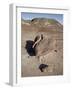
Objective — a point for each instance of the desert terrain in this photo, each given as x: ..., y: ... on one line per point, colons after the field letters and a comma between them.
x: 51, y: 47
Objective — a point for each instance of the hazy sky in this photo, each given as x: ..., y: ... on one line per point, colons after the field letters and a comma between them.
x: 30, y: 16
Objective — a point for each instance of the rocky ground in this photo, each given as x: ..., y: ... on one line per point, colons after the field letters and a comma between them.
x: 52, y: 45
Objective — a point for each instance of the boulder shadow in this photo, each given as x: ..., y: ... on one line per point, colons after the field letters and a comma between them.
x: 28, y: 47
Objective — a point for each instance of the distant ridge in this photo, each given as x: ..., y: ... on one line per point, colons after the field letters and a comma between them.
x: 44, y: 23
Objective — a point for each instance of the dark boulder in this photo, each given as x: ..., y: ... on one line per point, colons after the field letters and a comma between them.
x: 42, y: 67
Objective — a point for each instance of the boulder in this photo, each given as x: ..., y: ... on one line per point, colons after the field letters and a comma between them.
x: 42, y: 67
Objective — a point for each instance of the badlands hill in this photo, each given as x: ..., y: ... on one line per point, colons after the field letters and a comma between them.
x: 44, y: 23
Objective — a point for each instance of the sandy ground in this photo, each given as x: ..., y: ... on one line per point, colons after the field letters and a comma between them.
x: 54, y: 60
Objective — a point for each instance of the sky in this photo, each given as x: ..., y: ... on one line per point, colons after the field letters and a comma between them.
x: 30, y: 16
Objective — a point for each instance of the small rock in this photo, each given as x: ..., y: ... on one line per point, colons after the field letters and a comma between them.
x: 42, y: 67
x: 55, y: 50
